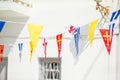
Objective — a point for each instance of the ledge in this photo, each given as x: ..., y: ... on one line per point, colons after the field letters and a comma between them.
x: 14, y: 9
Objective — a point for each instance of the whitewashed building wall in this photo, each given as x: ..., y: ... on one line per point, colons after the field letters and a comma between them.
x: 92, y: 63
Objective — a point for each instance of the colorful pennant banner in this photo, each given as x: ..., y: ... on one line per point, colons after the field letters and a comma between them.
x: 1, y: 52
x: 2, y: 23
x: 34, y: 31
x: 59, y: 43
x: 45, y: 46
x: 106, y: 38
x: 76, y: 38
x: 20, y: 46
x: 92, y: 27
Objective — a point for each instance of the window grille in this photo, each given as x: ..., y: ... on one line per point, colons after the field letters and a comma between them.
x: 50, y: 69
x: 3, y: 69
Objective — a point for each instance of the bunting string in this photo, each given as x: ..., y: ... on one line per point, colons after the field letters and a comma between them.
x: 36, y: 29
x: 51, y: 38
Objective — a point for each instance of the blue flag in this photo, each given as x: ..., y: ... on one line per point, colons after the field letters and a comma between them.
x: 2, y: 23
x: 111, y: 28
x: 117, y: 15
x: 20, y: 45
x: 76, y: 38
x: 113, y: 18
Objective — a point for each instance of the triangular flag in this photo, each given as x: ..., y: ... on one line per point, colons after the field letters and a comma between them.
x: 76, y: 38
x: 113, y: 20
x: 31, y: 50
x: 92, y: 27
x: 2, y: 23
x: 72, y: 29
x: 20, y: 45
x: 45, y: 46
x: 34, y: 31
x: 111, y: 29
x: 113, y: 15
x: 59, y: 42
x: 117, y: 15
x: 1, y: 52
x: 106, y: 38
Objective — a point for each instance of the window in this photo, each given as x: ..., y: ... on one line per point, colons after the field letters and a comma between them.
x: 50, y: 69
x: 3, y: 69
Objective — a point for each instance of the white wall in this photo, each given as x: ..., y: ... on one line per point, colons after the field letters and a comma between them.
x: 118, y: 61
x: 92, y: 64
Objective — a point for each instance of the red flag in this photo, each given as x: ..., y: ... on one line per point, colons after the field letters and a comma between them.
x: 45, y: 46
x: 72, y: 29
x: 106, y: 38
x: 1, y: 52
x: 59, y: 42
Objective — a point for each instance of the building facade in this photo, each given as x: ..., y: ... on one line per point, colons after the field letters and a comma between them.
x: 92, y: 63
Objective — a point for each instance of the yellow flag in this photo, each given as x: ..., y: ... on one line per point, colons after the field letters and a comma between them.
x: 92, y: 27
x: 34, y: 30
x: 31, y: 51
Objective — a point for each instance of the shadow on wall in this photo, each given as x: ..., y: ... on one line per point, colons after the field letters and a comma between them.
x: 11, y: 32
x: 92, y: 64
